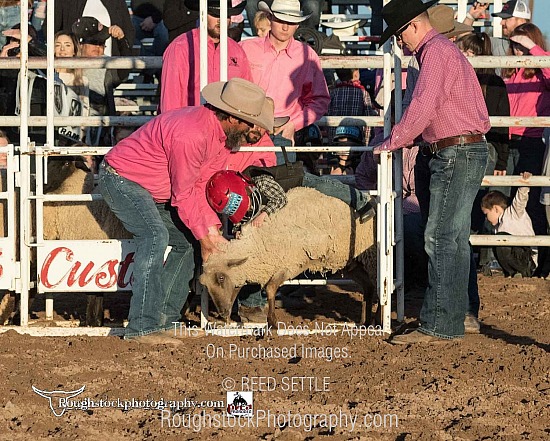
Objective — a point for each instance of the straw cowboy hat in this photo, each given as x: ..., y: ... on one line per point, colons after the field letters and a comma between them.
x: 214, y: 7
x: 244, y: 100
x: 284, y: 10
x: 443, y: 20
x: 398, y: 13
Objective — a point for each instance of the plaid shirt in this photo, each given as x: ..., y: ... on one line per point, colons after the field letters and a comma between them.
x: 349, y: 99
x: 439, y: 106
x: 273, y: 195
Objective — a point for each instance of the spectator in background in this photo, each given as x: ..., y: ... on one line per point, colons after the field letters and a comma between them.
x: 38, y: 16
x: 180, y: 85
x: 9, y: 81
x: 236, y: 26
x: 10, y: 15
x: 496, y: 99
x: 513, y: 14
x: 529, y: 93
x: 101, y: 81
x: 348, y: 97
x: 346, y: 135
x: 67, y: 46
x: 178, y: 18
x: 112, y: 14
x: 147, y: 21
x: 288, y: 70
x: 512, y: 219
x: 261, y: 24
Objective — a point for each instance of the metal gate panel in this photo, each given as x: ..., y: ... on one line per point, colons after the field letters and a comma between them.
x: 8, y: 261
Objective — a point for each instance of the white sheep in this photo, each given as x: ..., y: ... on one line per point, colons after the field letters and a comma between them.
x: 313, y: 232
x: 91, y: 220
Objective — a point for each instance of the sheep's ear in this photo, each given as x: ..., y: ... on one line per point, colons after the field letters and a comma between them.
x: 236, y: 262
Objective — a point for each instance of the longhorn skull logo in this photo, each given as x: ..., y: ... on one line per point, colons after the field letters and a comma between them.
x: 57, y: 395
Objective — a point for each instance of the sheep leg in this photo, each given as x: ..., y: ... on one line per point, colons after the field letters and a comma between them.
x: 271, y: 289
x: 94, y: 310
x: 362, y: 278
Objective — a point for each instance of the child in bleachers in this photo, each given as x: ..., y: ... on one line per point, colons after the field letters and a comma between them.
x: 511, y: 219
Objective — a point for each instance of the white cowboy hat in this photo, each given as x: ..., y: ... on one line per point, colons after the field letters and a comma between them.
x: 244, y: 100
x: 284, y: 10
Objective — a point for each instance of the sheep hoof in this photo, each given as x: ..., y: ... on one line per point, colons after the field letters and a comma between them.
x: 252, y: 314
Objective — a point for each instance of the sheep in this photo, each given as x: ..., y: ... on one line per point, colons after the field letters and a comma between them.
x: 77, y: 220
x: 312, y: 232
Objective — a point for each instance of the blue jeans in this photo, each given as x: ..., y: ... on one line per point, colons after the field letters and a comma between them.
x: 332, y: 187
x: 455, y: 177
x: 9, y: 16
x: 159, y: 288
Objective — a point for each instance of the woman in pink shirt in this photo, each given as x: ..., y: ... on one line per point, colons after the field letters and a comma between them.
x: 529, y: 94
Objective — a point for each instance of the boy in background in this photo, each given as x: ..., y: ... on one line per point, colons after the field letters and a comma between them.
x: 511, y: 219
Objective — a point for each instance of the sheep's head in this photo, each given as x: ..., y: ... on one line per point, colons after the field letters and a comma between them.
x: 60, y: 168
x: 216, y: 277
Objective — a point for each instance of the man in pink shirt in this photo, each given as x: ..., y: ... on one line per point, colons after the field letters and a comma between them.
x: 154, y: 181
x: 180, y: 85
x: 453, y: 124
x: 288, y: 70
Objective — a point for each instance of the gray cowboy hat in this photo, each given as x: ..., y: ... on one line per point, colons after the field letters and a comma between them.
x: 244, y: 100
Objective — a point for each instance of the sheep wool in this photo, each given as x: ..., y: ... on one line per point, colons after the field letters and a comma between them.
x: 79, y: 220
x: 313, y: 232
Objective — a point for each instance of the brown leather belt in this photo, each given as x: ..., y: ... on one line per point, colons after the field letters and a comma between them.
x: 434, y: 147
x: 109, y: 168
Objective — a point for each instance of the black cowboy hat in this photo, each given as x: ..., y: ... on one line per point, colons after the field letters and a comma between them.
x: 89, y: 30
x: 397, y: 13
x: 214, y: 7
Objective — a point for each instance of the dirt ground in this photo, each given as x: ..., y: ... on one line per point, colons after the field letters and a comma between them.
x: 492, y: 386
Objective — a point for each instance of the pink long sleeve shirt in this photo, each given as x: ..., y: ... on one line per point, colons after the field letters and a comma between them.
x: 292, y: 77
x: 439, y: 107
x: 529, y: 96
x: 174, y: 155
x: 180, y: 85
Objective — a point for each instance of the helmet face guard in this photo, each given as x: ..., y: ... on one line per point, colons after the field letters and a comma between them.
x: 229, y: 192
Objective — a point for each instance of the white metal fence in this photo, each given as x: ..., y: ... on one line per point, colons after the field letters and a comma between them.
x: 105, y: 266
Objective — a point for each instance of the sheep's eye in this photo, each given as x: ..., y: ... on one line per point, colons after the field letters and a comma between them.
x: 221, y: 278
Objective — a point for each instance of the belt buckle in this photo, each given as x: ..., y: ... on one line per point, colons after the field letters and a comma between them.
x: 427, y: 149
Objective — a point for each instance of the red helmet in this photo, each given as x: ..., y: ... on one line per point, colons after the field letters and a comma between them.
x: 231, y: 193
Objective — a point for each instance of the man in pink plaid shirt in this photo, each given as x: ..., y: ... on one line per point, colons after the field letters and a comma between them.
x: 448, y: 110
